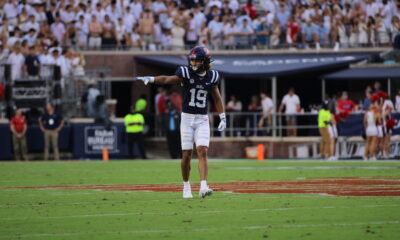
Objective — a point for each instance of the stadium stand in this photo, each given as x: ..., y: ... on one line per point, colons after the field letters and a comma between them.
x: 160, y: 25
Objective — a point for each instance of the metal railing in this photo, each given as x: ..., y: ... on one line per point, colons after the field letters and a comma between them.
x: 240, y: 124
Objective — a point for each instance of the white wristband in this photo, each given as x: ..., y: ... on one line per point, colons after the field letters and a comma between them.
x: 151, y: 79
x: 222, y: 116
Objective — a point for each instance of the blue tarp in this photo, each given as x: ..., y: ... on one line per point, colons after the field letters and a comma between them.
x: 84, y: 140
x: 245, y: 66
x: 353, y: 126
x: 369, y: 73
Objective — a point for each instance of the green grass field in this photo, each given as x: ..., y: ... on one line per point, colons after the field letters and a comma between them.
x: 93, y: 214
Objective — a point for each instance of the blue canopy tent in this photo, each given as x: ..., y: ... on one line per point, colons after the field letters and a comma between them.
x: 364, y: 73
x: 262, y: 66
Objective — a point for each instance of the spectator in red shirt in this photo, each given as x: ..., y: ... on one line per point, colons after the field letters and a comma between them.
x: 176, y: 100
x: 345, y: 105
x: 18, y: 128
x: 293, y: 31
x: 250, y: 9
x: 161, y: 103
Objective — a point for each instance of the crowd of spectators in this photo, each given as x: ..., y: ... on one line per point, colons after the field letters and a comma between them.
x: 172, y: 24
x: 25, y: 60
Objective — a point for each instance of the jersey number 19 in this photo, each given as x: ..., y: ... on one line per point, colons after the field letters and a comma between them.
x: 198, y: 98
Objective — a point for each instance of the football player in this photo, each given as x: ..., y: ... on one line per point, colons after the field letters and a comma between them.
x: 197, y: 81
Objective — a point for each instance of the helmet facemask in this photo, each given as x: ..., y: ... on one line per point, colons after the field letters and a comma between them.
x: 197, y: 65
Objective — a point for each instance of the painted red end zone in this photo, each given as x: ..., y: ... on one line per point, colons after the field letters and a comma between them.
x: 332, y: 186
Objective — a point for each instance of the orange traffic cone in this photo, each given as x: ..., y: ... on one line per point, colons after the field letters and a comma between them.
x: 260, y: 152
x: 105, y: 153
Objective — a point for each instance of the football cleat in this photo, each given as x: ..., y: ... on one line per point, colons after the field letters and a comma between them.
x: 187, y: 193
x: 205, y: 192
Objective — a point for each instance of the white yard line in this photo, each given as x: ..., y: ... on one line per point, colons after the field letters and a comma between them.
x: 177, y: 230
x: 243, y: 197
x: 311, y: 168
x: 197, y: 212
x: 128, y: 201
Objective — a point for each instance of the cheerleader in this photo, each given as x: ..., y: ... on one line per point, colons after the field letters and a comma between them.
x: 371, y: 130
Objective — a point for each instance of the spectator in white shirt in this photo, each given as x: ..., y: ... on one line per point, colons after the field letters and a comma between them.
x: 58, y: 29
x: 234, y: 5
x: 213, y: 3
x: 44, y: 56
x: 215, y: 28
x: 267, y: 111
x: 161, y: 10
x: 62, y: 62
x: 15, y: 36
x: 67, y: 15
x: 235, y: 105
x: 10, y: 10
x: 229, y: 34
x: 243, y: 35
x: 166, y: 40
x: 178, y: 33
x: 269, y: 5
x: 135, y: 41
x: 291, y: 103
x: 99, y: 13
x: 40, y: 13
x: 17, y: 61
x: 3, y: 53
x: 31, y: 37
x: 120, y: 30
x: 82, y: 31
x: 129, y: 20
x: 199, y: 17
x: 239, y: 20
x: 157, y: 32
x: 191, y: 33
x: 113, y: 12
x: 22, y: 19
x: 136, y: 8
x: 32, y: 23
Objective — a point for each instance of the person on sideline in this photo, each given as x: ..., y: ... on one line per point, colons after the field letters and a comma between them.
x: 18, y: 128
x: 387, y: 109
x: 134, y: 126
x: 324, y: 120
x: 267, y: 111
x: 333, y: 133
x: 291, y: 103
x: 171, y: 120
x: 197, y: 81
x: 51, y: 124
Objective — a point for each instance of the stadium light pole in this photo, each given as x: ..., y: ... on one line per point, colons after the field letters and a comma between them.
x: 274, y: 100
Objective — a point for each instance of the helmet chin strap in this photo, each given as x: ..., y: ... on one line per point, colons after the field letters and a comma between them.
x: 202, y: 74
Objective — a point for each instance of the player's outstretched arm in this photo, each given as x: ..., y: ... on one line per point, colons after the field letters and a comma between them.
x: 159, y: 79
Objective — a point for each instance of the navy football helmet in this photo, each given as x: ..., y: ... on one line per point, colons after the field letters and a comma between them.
x: 199, y: 53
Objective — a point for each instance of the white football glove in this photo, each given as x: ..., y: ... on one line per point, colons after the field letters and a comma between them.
x: 145, y: 80
x: 222, y: 123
